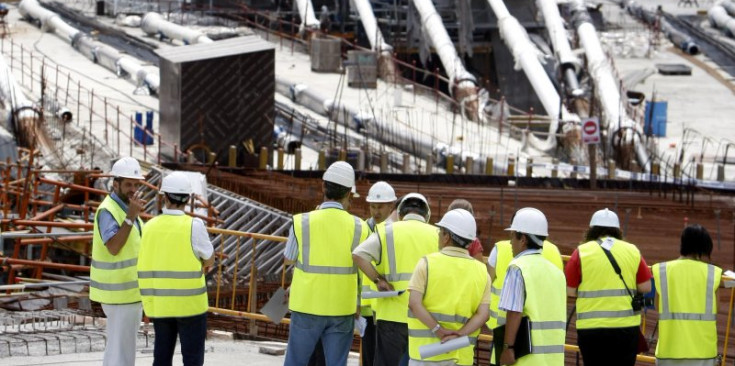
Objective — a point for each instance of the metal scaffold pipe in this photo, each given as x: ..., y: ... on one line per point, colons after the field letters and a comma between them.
x: 96, y: 51
x: 463, y: 85
x: 154, y: 24
x: 606, y: 88
x: 527, y: 58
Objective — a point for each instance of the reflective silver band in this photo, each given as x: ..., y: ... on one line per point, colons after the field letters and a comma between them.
x: 547, y: 349
x: 601, y: 293
x: 443, y: 317
x: 664, y: 288
x: 495, y: 291
x: 358, y: 233
x: 326, y: 269
x: 172, y: 292
x: 115, y: 265
x: 687, y: 316
x: 606, y: 314
x: 114, y: 286
x: 390, y: 248
x: 397, y: 277
x: 548, y: 325
x: 710, y: 289
x: 170, y: 274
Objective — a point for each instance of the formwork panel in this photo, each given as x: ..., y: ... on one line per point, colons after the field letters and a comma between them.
x: 218, y: 94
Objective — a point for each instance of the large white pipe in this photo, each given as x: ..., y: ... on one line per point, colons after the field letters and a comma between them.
x: 433, y: 26
x: 527, y: 57
x: 569, y: 62
x: 606, y: 88
x: 96, y: 51
x: 11, y: 94
x: 374, y: 35
x: 719, y: 18
x: 306, y: 14
x: 154, y: 24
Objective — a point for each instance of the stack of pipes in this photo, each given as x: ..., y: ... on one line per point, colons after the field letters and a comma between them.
x: 719, y: 16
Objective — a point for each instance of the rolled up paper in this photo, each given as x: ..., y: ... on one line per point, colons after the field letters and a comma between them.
x: 435, y: 349
x: 379, y: 294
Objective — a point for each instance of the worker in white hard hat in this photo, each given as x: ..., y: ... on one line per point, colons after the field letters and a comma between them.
x: 381, y: 198
x: 115, y: 246
x: 396, y: 247
x: 324, y: 290
x: 174, y: 250
x: 449, y: 293
x: 533, y: 288
x: 497, y: 265
x: 608, y: 327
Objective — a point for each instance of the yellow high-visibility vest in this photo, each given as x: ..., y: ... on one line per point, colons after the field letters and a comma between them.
x: 403, y: 244
x: 545, y: 306
x: 504, y: 257
x: 687, y: 309
x: 169, y: 272
x: 602, y: 300
x: 454, y: 289
x: 325, y: 278
x: 113, y: 278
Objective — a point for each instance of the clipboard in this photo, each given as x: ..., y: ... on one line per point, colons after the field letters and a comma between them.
x: 522, y: 344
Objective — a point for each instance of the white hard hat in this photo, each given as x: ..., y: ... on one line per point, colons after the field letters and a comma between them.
x: 341, y: 173
x: 126, y: 167
x: 460, y: 222
x: 419, y: 197
x: 529, y: 220
x: 381, y: 192
x: 176, y: 183
x: 605, y: 218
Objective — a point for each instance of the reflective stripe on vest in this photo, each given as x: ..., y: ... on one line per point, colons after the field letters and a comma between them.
x: 687, y: 319
x: 169, y: 272
x: 325, y: 280
x: 451, y: 300
x: 545, y: 306
x: 113, y: 278
x: 602, y: 300
x: 403, y: 244
x: 504, y: 253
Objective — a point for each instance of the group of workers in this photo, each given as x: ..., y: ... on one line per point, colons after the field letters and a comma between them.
x: 156, y: 269
x: 418, y: 285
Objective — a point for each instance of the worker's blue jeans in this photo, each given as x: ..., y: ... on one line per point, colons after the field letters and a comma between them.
x: 306, y: 329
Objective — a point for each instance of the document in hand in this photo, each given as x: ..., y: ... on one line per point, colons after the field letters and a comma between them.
x: 522, y: 344
x: 435, y: 349
x: 379, y: 294
x: 276, y: 308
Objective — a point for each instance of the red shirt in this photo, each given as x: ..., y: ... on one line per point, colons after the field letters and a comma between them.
x: 475, y: 247
x: 573, y: 271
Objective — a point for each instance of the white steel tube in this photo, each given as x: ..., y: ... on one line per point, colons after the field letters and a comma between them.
x: 306, y: 14
x: 527, y: 57
x: 607, y: 89
x: 153, y: 24
x: 11, y: 94
x: 719, y: 18
x: 434, y: 27
x: 569, y: 63
x: 96, y: 51
x: 375, y: 36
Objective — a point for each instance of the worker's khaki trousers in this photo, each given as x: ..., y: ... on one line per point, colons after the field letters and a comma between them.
x: 123, y: 322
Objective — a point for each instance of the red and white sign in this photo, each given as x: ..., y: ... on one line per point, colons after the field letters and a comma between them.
x: 591, y: 131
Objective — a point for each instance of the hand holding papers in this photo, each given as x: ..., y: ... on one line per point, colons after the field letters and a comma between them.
x: 276, y: 308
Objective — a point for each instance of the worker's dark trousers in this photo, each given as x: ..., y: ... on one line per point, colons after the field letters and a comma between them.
x: 191, y: 331
x: 608, y: 346
x: 368, y: 342
x: 392, y: 346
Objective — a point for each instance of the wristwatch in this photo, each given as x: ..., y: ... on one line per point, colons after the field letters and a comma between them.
x: 436, y: 328
x: 508, y: 346
x: 129, y: 221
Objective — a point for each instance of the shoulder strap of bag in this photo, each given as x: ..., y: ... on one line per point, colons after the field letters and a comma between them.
x: 615, y: 265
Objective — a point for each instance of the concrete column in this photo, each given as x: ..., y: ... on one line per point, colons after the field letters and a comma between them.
x: 361, y: 160
x: 511, y: 172
x: 677, y: 170
x: 489, y: 166
x: 280, y: 158
x: 211, y: 157
x: 555, y: 168
x: 232, y: 159
x: 529, y: 168
x: 656, y: 168
x: 322, y: 160
x: 406, y: 163
x: 263, y: 158
x: 384, y: 162
x: 450, y: 164
x: 700, y: 171
x: 343, y: 155
x: 611, y: 169
x: 469, y: 165
x: 297, y: 159
x: 430, y: 163
x: 720, y: 173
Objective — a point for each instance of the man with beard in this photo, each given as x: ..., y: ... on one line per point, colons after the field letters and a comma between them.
x: 115, y: 245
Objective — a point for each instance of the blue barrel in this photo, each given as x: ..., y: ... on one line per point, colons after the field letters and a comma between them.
x: 655, y: 121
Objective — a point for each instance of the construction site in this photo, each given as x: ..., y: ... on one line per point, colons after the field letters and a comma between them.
x: 566, y: 106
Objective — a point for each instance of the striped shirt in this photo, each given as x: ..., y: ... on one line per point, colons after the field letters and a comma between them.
x: 291, y: 252
x: 513, y: 295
